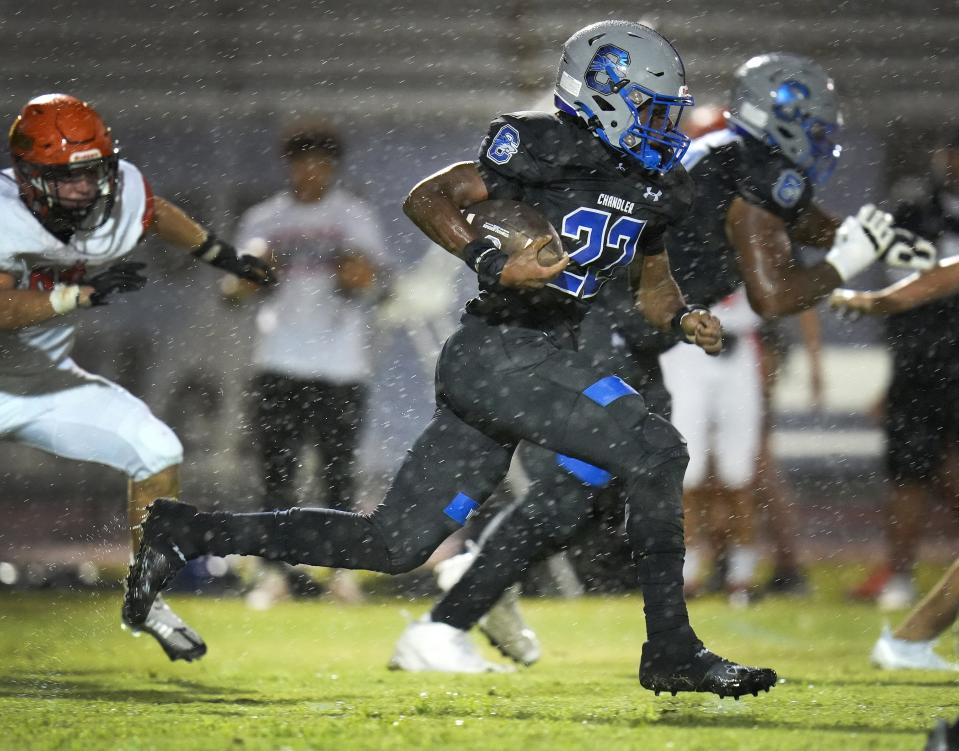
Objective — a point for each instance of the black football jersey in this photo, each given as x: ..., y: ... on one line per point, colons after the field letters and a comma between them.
x: 925, y: 340
x: 606, y: 208
x: 724, y: 165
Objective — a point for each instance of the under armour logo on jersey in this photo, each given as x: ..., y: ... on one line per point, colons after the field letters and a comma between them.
x: 505, y: 145
x: 652, y: 195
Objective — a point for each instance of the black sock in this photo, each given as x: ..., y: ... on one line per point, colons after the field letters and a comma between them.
x: 663, y: 600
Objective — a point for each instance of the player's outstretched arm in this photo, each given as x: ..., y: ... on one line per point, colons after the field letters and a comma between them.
x: 173, y: 225
x: 776, y: 284
x: 20, y: 308
x: 911, y: 292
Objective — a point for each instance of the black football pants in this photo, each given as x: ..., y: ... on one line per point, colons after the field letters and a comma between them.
x: 291, y: 413
x: 496, y: 385
x: 558, y: 507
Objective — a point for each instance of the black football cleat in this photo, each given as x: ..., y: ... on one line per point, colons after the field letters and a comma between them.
x: 157, y: 561
x: 675, y: 669
x: 179, y: 641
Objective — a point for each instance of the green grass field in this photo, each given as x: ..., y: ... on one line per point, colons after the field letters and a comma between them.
x: 311, y: 675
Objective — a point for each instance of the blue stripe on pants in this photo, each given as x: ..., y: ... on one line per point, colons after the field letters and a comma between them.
x: 607, y: 390
x: 460, y: 508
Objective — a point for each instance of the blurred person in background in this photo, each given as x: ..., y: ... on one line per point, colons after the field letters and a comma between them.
x: 717, y: 406
x: 69, y: 206
x: 773, y: 494
x: 313, y: 354
x: 921, y: 418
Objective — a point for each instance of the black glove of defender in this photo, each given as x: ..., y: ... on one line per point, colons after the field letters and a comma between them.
x: 118, y: 278
x: 221, y: 254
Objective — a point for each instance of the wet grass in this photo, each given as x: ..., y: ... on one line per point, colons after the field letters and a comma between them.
x: 311, y: 675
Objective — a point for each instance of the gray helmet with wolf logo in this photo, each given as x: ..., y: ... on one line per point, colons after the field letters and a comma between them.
x: 610, y: 70
x: 789, y: 102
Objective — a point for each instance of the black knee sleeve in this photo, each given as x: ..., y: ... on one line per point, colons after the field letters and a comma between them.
x: 655, y: 529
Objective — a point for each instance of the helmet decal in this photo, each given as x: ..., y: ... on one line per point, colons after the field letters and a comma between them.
x: 597, y: 74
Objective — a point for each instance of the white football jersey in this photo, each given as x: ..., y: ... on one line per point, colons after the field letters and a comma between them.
x: 38, y: 260
x: 305, y: 328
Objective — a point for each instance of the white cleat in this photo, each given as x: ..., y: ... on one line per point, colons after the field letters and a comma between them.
x: 503, y: 625
x: 891, y: 653
x: 899, y: 593
x: 437, y: 647
x: 506, y: 629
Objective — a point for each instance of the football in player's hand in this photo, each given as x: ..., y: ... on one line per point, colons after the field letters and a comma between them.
x: 513, y: 225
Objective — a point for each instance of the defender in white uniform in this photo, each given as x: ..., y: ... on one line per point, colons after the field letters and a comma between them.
x: 70, y: 211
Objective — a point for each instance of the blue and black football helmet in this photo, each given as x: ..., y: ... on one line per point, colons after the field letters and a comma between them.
x: 629, y: 84
x: 790, y: 103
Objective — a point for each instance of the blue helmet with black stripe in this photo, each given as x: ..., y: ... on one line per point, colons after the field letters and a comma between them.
x: 629, y: 84
x: 789, y: 102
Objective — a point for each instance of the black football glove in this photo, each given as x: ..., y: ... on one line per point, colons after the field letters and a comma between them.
x: 118, y: 278
x: 221, y: 254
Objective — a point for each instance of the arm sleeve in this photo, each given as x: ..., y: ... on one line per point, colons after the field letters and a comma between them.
x: 507, y: 158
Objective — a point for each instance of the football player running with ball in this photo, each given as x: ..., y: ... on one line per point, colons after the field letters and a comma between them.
x: 606, y: 173
x: 755, y: 181
x: 71, y: 205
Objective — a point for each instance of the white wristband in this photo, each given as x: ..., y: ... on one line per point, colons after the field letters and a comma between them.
x: 64, y: 298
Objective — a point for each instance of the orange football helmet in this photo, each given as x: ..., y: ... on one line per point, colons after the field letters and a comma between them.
x: 705, y: 119
x: 66, y: 163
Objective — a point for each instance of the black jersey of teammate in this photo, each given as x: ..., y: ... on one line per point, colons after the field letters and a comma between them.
x: 606, y: 208
x: 724, y: 165
x: 925, y: 340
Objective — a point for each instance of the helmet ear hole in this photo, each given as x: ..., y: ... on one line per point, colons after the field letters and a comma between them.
x: 603, y: 104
